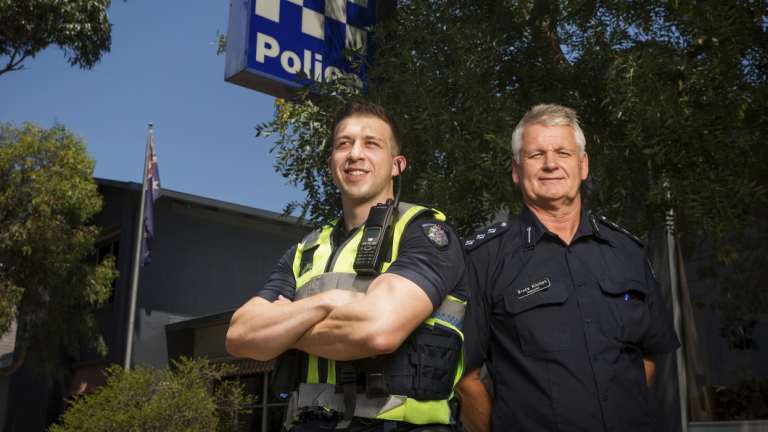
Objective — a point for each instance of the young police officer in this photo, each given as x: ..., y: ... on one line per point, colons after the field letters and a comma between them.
x: 379, y: 352
x: 565, y: 312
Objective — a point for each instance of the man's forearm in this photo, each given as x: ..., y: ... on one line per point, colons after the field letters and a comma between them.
x: 649, y: 366
x: 375, y: 323
x: 342, y: 335
x: 475, y: 403
x: 264, y: 330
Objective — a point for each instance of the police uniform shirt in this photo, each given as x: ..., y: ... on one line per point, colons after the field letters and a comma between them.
x: 435, y: 268
x: 563, y: 329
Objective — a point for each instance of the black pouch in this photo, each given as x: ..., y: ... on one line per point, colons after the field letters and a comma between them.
x: 425, y: 365
x: 285, y: 376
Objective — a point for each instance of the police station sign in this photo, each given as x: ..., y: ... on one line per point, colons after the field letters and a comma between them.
x: 276, y: 46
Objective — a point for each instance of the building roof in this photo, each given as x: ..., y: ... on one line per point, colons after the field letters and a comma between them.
x: 221, y: 318
x: 209, y: 203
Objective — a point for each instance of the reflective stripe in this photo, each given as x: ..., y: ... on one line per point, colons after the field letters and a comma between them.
x: 331, y: 372
x: 393, y: 407
x: 336, y: 280
x: 451, y: 310
x: 319, y: 241
x: 313, y: 374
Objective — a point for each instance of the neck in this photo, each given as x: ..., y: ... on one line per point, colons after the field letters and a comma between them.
x: 561, y: 220
x: 356, y: 213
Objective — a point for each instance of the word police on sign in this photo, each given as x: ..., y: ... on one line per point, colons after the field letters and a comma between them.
x: 276, y: 46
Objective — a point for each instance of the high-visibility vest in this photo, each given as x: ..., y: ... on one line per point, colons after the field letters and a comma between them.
x: 328, y: 269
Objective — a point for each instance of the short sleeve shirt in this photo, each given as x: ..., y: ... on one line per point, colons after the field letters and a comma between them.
x: 563, y: 329
x: 436, y: 269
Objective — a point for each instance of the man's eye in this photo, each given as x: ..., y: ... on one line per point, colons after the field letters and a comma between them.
x: 340, y: 144
x: 537, y: 155
x: 565, y: 154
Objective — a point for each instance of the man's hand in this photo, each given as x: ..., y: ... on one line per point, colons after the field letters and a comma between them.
x: 371, y: 324
x: 262, y: 330
x: 649, y: 366
x: 475, y: 403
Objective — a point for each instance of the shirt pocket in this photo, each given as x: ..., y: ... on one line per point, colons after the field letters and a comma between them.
x: 540, y: 320
x: 627, y: 300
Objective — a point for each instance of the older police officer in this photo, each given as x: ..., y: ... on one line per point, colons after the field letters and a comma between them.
x: 564, y: 307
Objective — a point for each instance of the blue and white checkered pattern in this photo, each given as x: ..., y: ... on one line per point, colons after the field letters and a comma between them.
x: 323, y: 18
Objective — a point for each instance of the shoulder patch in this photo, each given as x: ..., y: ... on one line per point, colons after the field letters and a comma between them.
x: 616, y: 227
x: 485, y: 234
x: 436, y: 233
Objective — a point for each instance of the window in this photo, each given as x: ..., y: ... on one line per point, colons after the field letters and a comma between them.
x: 267, y: 412
x: 108, y: 244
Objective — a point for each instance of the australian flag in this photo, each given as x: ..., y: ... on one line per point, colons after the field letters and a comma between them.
x: 152, y: 185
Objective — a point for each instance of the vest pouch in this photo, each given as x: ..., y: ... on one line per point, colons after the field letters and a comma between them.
x: 285, y: 375
x: 425, y: 366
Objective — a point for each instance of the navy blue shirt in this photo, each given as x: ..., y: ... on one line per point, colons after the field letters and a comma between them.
x: 437, y: 270
x: 563, y: 329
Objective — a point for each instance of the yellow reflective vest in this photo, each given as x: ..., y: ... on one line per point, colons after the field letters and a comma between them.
x: 318, y: 267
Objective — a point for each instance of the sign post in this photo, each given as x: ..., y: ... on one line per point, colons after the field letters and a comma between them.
x: 277, y: 46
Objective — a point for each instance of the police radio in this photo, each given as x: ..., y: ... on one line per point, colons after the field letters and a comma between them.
x: 377, y: 235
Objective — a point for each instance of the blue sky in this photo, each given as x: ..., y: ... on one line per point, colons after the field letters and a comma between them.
x: 162, y: 68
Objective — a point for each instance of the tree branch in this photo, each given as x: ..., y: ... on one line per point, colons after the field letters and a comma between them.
x: 13, y: 64
x: 544, y: 23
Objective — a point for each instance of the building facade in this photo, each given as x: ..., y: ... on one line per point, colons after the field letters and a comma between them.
x: 208, y: 257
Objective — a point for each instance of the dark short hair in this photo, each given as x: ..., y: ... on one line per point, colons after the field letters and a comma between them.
x: 351, y: 109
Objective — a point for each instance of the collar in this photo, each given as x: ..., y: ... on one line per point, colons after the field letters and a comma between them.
x: 532, y: 230
x: 340, y: 234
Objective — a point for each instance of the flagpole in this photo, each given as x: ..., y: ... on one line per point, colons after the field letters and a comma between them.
x: 677, y: 318
x: 137, y: 256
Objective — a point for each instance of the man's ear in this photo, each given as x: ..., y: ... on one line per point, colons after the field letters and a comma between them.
x: 584, y: 166
x: 515, y: 172
x: 399, y: 159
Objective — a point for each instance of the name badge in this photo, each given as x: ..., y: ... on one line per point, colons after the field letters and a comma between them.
x: 534, y: 288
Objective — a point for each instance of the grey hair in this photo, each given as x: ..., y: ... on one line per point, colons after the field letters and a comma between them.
x: 548, y: 115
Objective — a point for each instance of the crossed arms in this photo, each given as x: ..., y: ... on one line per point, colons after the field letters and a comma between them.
x: 335, y: 324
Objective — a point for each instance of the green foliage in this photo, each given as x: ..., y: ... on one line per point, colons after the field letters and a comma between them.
x: 744, y: 400
x: 47, y: 199
x: 189, y: 397
x: 80, y: 27
x: 672, y: 96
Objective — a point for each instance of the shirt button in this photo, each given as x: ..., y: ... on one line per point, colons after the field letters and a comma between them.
x: 604, y: 397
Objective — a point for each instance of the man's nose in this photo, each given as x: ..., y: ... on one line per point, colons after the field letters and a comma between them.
x: 356, y: 151
x: 550, y: 161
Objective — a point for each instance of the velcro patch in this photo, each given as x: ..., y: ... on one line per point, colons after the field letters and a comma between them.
x: 436, y: 234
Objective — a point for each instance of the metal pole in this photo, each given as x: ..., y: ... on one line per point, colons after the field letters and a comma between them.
x: 682, y: 381
x: 265, y: 408
x: 137, y: 256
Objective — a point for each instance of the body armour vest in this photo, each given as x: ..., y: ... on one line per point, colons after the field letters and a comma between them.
x: 414, y: 383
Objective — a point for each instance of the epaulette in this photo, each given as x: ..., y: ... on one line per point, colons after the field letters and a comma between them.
x: 616, y: 227
x: 486, y: 234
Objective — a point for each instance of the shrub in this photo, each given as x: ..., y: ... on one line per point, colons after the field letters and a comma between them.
x: 189, y: 396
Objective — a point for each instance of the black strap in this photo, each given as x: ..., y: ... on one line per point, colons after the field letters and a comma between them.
x: 350, y: 400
